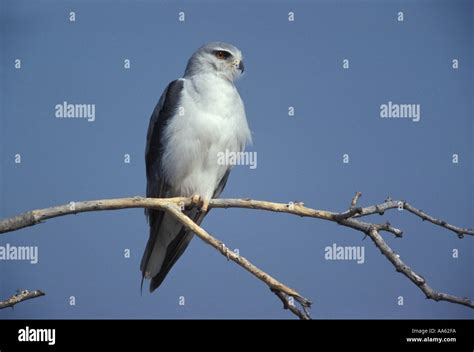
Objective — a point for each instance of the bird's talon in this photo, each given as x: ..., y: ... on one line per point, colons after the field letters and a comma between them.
x: 200, y: 202
x: 196, y: 199
x: 205, y: 205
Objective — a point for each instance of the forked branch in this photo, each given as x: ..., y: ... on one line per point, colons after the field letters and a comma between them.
x: 349, y: 218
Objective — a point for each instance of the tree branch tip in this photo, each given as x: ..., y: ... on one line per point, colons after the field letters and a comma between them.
x: 303, y: 301
x: 20, y: 296
x: 355, y: 199
x: 307, y: 313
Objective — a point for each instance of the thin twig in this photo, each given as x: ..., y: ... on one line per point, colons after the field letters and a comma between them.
x: 418, y: 280
x: 300, y: 313
x: 355, y: 200
x: 458, y: 230
x: 20, y: 297
x: 402, y: 205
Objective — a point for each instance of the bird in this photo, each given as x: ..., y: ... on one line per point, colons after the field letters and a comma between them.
x: 197, y: 117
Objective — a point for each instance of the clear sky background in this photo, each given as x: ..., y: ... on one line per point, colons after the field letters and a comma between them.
x: 299, y: 158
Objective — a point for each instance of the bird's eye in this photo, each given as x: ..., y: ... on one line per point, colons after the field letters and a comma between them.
x: 221, y: 54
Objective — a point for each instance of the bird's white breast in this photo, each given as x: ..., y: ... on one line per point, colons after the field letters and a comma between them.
x: 210, y: 118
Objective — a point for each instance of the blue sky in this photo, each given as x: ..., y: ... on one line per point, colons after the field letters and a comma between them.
x: 337, y: 112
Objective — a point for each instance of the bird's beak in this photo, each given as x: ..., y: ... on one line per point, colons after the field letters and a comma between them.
x: 241, y: 66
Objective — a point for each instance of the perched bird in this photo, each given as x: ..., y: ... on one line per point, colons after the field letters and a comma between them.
x: 197, y: 117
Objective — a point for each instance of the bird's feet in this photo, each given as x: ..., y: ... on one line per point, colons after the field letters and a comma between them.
x: 201, y: 202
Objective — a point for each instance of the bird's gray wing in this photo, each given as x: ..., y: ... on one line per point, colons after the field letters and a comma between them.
x: 221, y: 184
x: 160, y: 117
x: 156, y: 184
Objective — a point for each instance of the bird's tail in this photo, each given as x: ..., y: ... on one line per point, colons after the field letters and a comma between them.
x: 167, y: 242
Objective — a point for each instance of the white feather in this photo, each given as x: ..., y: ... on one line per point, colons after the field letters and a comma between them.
x: 213, y: 120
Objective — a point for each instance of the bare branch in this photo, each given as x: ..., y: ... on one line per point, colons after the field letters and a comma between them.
x: 349, y: 218
x: 20, y: 297
x: 398, y: 204
x: 389, y: 228
x: 347, y: 214
x: 273, y: 284
x: 418, y: 280
x: 37, y: 216
x: 300, y: 313
x: 34, y: 217
x: 458, y: 230
x: 355, y: 200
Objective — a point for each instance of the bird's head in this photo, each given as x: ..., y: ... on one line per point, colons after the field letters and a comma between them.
x: 220, y: 58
